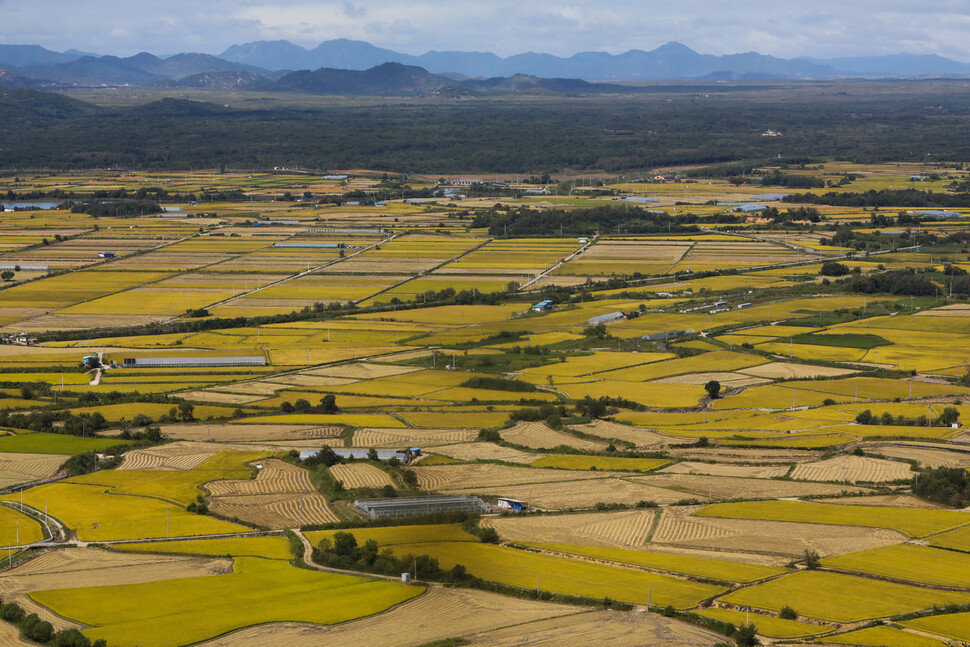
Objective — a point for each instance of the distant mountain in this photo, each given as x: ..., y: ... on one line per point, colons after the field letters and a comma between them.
x: 227, y: 80
x: 13, y: 81
x: 899, y: 65
x: 48, y: 105
x: 25, y: 55
x: 387, y: 79
x: 672, y: 61
x: 521, y: 83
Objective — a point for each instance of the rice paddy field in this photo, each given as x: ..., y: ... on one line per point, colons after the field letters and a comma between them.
x: 681, y: 422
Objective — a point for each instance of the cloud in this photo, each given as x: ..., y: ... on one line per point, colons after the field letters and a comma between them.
x: 785, y: 28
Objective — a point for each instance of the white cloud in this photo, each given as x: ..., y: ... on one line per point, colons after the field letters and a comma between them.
x: 785, y: 28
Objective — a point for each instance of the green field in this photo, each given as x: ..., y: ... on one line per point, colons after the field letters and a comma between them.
x: 257, y: 591
x: 277, y: 547
x: 10, y: 519
x: 920, y: 564
x: 912, y: 522
x: 841, y: 598
x: 42, y: 443
x: 576, y: 462
x: 951, y: 625
x: 399, y: 534
x: 883, y: 637
x: 770, y: 626
x: 714, y: 569
x: 177, y: 486
x: 97, y: 515
x: 524, y: 570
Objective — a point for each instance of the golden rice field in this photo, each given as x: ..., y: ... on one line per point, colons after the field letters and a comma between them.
x: 269, y: 547
x: 698, y: 566
x: 770, y: 626
x: 257, y: 591
x: 952, y: 625
x: 915, y: 523
x: 17, y: 529
x: 846, y: 599
x: 561, y: 575
x: 883, y: 637
x: 907, y: 562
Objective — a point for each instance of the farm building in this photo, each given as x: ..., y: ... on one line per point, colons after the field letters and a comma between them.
x: 511, y: 504
x: 935, y: 213
x: 744, y: 207
x: 669, y: 334
x: 307, y: 245
x: 258, y: 223
x: 173, y: 215
x: 26, y: 267
x: 542, y: 306
x: 769, y: 197
x: 602, y: 319
x: 336, y: 178
x: 420, y: 505
x: 638, y: 199
x: 403, y: 455
x: 345, y: 230
x: 178, y: 362
x: 106, y: 255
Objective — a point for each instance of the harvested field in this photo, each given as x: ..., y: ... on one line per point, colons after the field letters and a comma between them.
x: 742, y: 455
x: 612, y: 530
x: 729, y: 380
x: 725, y: 487
x: 250, y: 388
x: 607, y: 430
x: 176, y: 456
x: 357, y: 475
x: 80, y: 567
x: 363, y: 371
x: 786, y: 371
x: 677, y: 526
x: 24, y: 468
x: 228, y: 433
x: 601, y: 629
x: 10, y: 635
x: 276, y: 511
x: 220, y: 397
x: 281, y: 496
x: 537, y: 435
x: 583, y: 494
x: 894, y: 500
x: 438, y: 614
x: 935, y: 455
x: 717, y: 469
x: 486, y: 451
x: 274, y: 478
x: 471, y: 476
x: 303, y: 379
x: 855, y: 469
x: 411, y: 437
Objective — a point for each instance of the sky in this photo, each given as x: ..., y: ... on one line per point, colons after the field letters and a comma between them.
x: 784, y: 28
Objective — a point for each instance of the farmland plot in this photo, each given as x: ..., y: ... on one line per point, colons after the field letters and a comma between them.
x: 23, y: 468
x: 855, y: 469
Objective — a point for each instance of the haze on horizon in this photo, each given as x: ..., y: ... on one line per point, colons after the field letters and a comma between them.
x: 783, y: 28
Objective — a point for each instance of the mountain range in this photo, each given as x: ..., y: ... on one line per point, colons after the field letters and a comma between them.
x: 268, y: 62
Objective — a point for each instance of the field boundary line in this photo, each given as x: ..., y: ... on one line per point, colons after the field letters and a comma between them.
x: 426, y: 272
x: 298, y: 275
x: 561, y: 262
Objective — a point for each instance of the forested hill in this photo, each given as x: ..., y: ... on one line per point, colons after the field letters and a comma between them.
x: 504, y: 135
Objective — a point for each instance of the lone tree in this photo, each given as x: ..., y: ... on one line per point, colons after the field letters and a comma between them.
x: 713, y: 389
x: 7, y: 275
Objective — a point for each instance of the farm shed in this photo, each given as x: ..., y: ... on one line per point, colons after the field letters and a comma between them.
x: 26, y: 267
x: 106, y: 255
x: 403, y: 455
x: 669, y: 334
x: 638, y: 199
x: 420, y: 505
x: 344, y: 230
x: 178, y: 362
x: 275, y: 222
x: 935, y: 213
x: 511, y: 504
x: 602, y: 319
x: 542, y: 306
x: 298, y: 245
